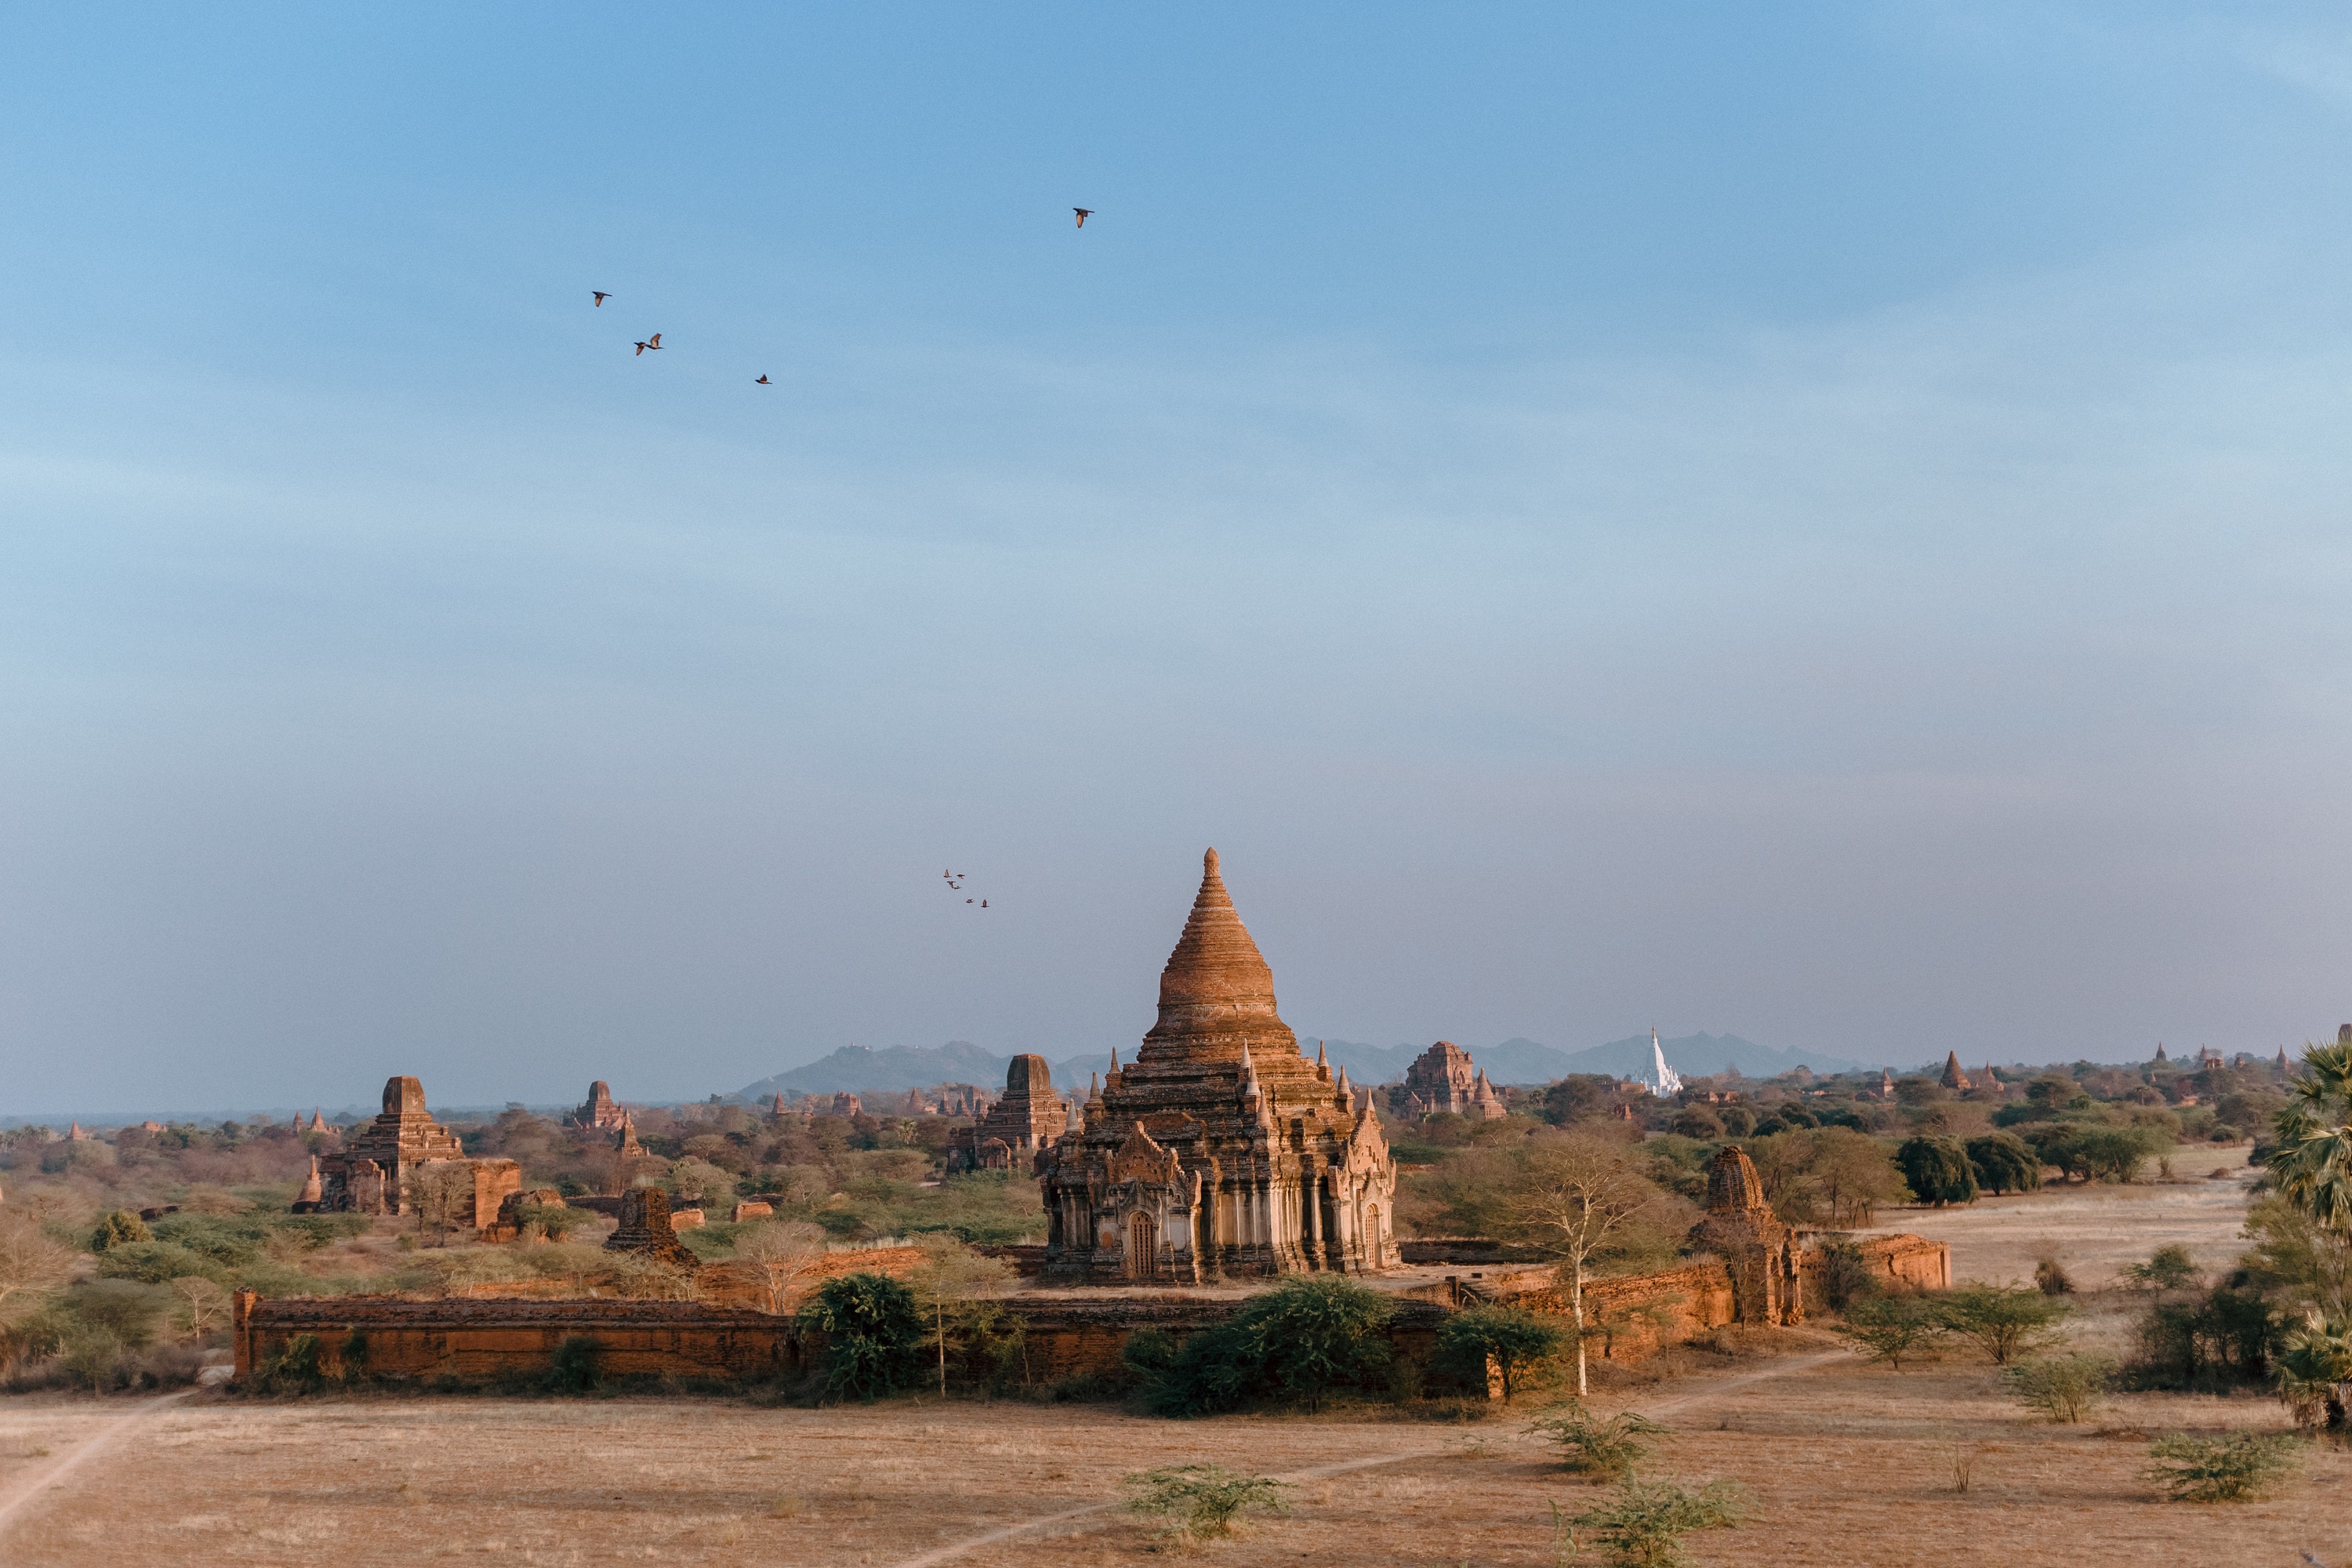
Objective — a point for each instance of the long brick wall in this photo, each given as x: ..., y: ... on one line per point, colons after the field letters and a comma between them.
x: 478, y: 1341
x: 1068, y: 1336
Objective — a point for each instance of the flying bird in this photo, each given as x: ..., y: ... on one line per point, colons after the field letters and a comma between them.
x: 763, y: 381
x: 601, y: 295
x: 651, y: 342
x: 1084, y: 214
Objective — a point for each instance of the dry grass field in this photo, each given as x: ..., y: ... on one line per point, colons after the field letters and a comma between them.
x: 1848, y: 1464
x: 2095, y: 1230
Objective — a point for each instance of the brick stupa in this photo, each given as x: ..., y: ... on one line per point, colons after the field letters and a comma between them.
x: 1029, y: 1118
x: 1221, y: 1151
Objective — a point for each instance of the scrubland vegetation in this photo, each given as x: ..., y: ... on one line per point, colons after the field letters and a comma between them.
x: 1597, y: 1180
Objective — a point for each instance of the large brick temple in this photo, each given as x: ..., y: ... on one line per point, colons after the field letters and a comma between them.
x: 1220, y: 1150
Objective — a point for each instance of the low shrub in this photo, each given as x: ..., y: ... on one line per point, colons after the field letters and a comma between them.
x: 1310, y: 1337
x: 1644, y: 1524
x: 1607, y: 1447
x: 2062, y: 1388
x: 2221, y: 1469
x: 297, y: 1369
x: 1203, y: 1502
x: 573, y: 1368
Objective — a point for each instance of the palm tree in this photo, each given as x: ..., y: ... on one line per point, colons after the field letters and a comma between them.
x: 2313, y: 1166
x: 2314, y: 1371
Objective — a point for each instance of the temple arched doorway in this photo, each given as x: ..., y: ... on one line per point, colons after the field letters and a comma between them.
x: 1142, y: 1246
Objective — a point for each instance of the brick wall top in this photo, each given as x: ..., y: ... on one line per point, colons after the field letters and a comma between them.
x: 390, y: 1312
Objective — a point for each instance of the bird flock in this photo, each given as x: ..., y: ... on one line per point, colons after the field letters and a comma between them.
x: 652, y: 343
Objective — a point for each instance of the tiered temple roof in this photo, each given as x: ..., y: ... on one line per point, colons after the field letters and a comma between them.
x: 1029, y: 1118
x: 1443, y: 1080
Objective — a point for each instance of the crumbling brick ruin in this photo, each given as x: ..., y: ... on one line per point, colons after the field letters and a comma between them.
x: 1442, y: 1079
x: 377, y: 1168
x: 645, y: 1228
x: 1222, y: 1150
x: 1757, y: 1249
x: 1029, y: 1118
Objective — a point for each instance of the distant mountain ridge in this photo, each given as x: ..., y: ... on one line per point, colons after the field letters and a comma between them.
x: 858, y: 1069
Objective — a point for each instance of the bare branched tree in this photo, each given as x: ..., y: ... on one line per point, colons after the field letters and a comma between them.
x: 787, y: 1252
x: 951, y: 1280
x: 441, y: 1192
x: 206, y: 1304
x: 1575, y: 1196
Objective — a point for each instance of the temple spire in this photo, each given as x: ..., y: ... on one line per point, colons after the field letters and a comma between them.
x: 1216, y: 992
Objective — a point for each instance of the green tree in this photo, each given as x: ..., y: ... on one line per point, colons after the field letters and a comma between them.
x: 573, y: 1368
x: 2004, y: 1162
x: 873, y: 1334
x: 1852, y: 1175
x: 2001, y: 1321
x: 1937, y: 1170
x: 92, y: 1353
x: 2063, y: 1389
x: 1511, y: 1340
x: 119, y: 1226
x: 130, y: 1311
x: 1894, y: 1327
x: 2168, y: 1268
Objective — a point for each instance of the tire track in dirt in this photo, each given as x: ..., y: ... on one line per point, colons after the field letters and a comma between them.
x: 28, y: 1490
x: 1324, y: 1472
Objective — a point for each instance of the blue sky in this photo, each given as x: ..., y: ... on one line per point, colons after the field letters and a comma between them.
x: 1825, y: 523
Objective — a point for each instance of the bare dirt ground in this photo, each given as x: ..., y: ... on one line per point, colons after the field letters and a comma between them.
x: 1848, y: 1464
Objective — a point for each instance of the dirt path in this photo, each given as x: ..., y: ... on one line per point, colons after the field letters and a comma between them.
x: 1715, y: 1390
x: 29, y: 1487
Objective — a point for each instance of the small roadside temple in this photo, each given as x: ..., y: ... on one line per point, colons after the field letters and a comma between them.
x: 1221, y: 1151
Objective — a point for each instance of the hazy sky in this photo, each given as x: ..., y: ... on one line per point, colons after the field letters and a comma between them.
x: 1825, y: 523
